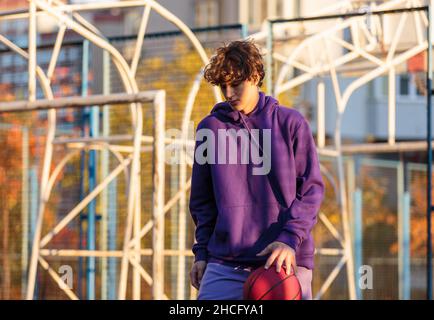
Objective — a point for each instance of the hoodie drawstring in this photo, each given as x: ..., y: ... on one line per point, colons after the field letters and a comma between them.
x: 248, y: 129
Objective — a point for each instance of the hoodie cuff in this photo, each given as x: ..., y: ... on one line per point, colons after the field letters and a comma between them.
x: 290, y: 239
x: 201, y: 255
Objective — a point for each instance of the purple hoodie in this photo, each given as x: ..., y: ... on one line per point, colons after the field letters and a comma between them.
x: 238, y: 213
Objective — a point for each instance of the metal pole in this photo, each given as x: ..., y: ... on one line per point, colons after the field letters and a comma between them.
x: 358, y: 236
x: 104, y: 173
x: 392, y: 107
x: 403, y: 234
x: 91, y: 215
x: 243, y: 15
x: 110, y: 214
x: 429, y: 158
x: 350, y: 15
x: 158, y: 197
x: 90, y: 284
x: 136, y: 231
x: 25, y: 211
x: 34, y: 191
x: 76, y: 102
x: 355, y: 207
x: 83, y: 155
x: 33, y: 266
x: 32, y: 51
x: 112, y: 235
x: 175, y: 267
x: 82, y: 215
x: 244, y: 31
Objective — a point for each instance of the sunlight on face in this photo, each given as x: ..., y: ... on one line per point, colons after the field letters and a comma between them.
x: 240, y: 95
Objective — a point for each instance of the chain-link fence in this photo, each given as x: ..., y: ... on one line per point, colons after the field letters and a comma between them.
x: 387, y: 195
x: 168, y: 61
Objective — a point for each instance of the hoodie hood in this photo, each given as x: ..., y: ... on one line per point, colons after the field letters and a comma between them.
x: 225, y: 111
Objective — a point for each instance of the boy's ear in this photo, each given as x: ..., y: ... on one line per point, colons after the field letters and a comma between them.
x: 256, y: 80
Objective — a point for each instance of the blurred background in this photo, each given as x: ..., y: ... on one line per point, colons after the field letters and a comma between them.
x: 359, y: 80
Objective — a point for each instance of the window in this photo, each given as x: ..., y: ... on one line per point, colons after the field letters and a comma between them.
x: 408, y: 87
x: 207, y: 13
x: 404, y: 85
x: 259, y: 10
x: 418, y: 82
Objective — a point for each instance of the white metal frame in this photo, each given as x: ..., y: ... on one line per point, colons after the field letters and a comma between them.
x: 68, y: 17
x: 323, y: 62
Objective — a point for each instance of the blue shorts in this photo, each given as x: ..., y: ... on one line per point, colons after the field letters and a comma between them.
x: 222, y: 282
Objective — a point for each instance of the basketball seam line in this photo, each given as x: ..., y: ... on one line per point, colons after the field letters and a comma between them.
x: 275, y: 285
x: 299, y: 292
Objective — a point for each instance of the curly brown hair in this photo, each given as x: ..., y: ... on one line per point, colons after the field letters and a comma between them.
x: 234, y: 63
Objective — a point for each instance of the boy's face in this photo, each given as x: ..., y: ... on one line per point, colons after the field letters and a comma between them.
x: 241, y: 96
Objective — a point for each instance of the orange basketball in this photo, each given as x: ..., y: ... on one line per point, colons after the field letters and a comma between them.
x: 267, y: 284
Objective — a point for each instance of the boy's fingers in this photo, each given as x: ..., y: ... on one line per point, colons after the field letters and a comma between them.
x: 200, y: 275
x: 264, y: 252
x: 271, y: 259
x: 279, y: 263
x: 288, y: 265
x: 193, y: 275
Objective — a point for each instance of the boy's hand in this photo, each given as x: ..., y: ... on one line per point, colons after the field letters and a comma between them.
x: 197, y: 272
x: 283, y: 253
